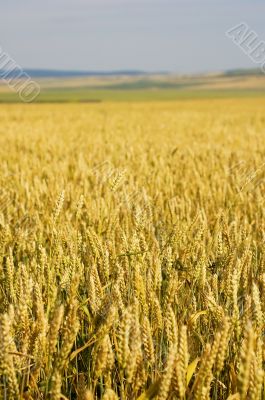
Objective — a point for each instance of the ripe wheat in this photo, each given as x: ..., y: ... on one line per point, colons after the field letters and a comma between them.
x: 159, y: 296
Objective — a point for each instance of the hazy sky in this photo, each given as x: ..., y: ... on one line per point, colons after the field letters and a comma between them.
x: 173, y: 35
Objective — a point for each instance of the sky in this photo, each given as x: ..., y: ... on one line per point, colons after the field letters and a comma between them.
x: 182, y: 36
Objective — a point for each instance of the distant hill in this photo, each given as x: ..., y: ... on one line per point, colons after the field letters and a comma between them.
x: 241, y: 72
x: 50, y: 73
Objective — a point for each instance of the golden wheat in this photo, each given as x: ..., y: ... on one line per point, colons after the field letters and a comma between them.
x: 132, y: 251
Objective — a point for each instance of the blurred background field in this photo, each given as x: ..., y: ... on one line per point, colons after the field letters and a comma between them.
x: 60, y: 86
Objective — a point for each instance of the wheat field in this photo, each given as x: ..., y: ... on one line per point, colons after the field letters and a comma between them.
x: 132, y: 251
